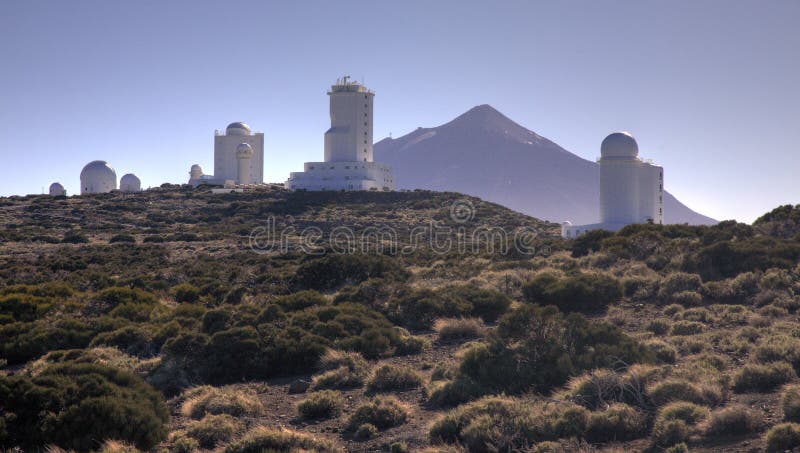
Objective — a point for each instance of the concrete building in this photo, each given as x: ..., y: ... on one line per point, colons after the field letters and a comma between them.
x: 130, y: 183
x: 98, y: 177
x: 631, y: 189
x: 56, y: 190
x: 348, y: 162
x: 227, y: 162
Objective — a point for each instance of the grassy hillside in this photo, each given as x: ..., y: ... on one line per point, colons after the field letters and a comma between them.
x: 177, y: 320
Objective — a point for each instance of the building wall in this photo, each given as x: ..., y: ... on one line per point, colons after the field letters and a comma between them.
x: 651, y: 193
x: 349, y: 138
x: 342, y: 176
x: 619, y: 190
x: 226, y: 165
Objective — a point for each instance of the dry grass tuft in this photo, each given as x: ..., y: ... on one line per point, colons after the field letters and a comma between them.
x: 203, y: 400
x: 450, y: 329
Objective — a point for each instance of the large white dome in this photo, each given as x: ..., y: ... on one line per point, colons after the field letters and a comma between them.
x: 98, y: 177
x: 130, y: 183
x: 237, y: 128
x: 619, y: 144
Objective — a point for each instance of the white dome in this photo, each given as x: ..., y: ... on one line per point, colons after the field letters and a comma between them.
x: 57, y: 189
x: 244, y: 151
x: 619, y: 144
x: 196, y: 167
x: 130, y: 183
x: 237, y: 128
x: 98, y: 177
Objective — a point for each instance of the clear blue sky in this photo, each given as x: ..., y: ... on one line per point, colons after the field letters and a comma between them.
x: 711, y: 89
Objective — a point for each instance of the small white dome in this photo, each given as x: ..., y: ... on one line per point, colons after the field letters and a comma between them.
x: 566, y: 223
x: 98, y: 177
x: 57, y: 189
x: 130, y: 183
x: 196, y: 167
x: 619, y: 144
x: 244, y: 151
x: 237, y: 128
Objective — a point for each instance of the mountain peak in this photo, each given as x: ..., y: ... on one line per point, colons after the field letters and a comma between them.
x: 486, y: 118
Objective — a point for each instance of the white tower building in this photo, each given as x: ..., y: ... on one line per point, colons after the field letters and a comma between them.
x: 631, y: 189
x: 226, y: 163
x: 56, y: 189
x: 98, y: 177
x: 348, y: 161
x: 226, y: 160
x: 244, y: 156
x: 130, y: 183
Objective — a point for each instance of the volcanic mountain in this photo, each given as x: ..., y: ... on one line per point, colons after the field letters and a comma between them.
x: 485, y: 154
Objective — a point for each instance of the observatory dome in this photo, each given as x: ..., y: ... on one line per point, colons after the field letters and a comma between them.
x: 244, y: 151
x: 57, y: 189
x: 619, y: 144
x: 130, y: 183
x: 98, y: 177
x: 237, y: 128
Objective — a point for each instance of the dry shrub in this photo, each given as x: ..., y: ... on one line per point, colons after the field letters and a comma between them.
x: 322, y: 404
x: 113, y: 446
x: 762, y: 378
x: 790, y: 402
x: 214, y: 430
x: 783, y: 437
x: 383, y: 412
x: 342, y: 370
x: 677, y: 422
x: 237, y: 402
x: 450, y: 329
x: 263, y: 438
x: 389, y: 378
x: 664, y: 352
x: 687, y: 328
x: 734, y: 420
x: 673, y: 389
x: 618, y: 422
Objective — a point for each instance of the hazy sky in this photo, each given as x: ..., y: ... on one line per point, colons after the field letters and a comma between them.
x: 710, y: 89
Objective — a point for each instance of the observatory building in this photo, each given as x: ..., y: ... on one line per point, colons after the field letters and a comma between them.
x: 348, y: 162
x: 631, y: 189
x: 56, y: 190
x: 238, y: 157
x: 98, y: 177
x: 130, y: 183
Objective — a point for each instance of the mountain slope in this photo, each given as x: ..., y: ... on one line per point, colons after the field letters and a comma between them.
x: 485, y: 154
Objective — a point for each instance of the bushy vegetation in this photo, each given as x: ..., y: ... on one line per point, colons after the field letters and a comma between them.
x: 262, y: 438
x: 582, y: 292
x: 393, y: 378
x: 382, y: 411
x: 85, y: 403
x: 322, y: 404
x: 528, y: 351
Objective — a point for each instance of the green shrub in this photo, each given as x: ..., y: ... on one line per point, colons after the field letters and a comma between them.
x: 185, y: 293
x: 734, y: 420
x: 342, y: 370
x: 301, y: 300
x: 213, y: 430
x: 618, y: 422
x: 666, y: 433
x: 382, y: 411
x: 86, y: 403
x: 589, y: 242
x: 419, y: 308
x: 131, y: 340
x: 454, y: 392
x: 388, y: 378
x: 486, y: 304
x: 790, y: 402
x: 762, y: 378
x: 74, y: 237
x: 366, y: 431
x: 322, y: 404
x: 184, y: 444
x: 528, y: 351
x: 679, y: 282
x: 265, y: 439
x: 783, y: 437
x: 579, y: 292
x: 125, y: 238
x: 337, y: 270
x: 459, y: 328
